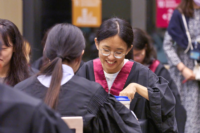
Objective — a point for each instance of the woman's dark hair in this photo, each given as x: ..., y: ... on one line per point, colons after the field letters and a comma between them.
x: 186, y: 7
x: 18, y: 64
x: 64, y: 43
x: 45, y: 37
x: 143, y: 41
x: 0, y: 43
x: 44, y: 59
x: 116, y: 26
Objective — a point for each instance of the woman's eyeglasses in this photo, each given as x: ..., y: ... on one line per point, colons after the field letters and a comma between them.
x: 107, y: 52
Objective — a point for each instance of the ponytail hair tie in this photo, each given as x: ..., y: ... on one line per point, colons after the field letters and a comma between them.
x: 60, y: 57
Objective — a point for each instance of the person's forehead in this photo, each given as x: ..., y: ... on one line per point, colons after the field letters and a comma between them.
x: 135, y: 52
x: 3, y: 43
x: 114, y: 42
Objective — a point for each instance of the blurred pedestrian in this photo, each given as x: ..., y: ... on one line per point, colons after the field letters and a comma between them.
x: 177, y: 44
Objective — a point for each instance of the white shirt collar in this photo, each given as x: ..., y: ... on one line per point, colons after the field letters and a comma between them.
x: 111, y: 77
x: 68, y: 73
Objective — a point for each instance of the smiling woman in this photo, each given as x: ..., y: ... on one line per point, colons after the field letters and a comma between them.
x: 151, y: 97
x: 112, y: 52
x: 12, y: 58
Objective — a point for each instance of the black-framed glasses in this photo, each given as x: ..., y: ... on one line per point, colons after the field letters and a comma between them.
x: 116, y: 54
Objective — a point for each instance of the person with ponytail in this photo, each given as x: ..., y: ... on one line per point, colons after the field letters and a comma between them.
x: 41, y: 61
x: 21, y: 113
x: 72, y: 95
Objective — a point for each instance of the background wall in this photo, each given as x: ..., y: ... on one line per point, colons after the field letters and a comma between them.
x: 116, y: 8
x: 12, y: 10
x: 138, y: 13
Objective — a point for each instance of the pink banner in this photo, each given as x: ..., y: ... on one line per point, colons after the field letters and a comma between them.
x: 164, y: 10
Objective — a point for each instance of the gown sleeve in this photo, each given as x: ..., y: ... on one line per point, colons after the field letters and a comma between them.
x: 111, y: 117
x: 161, y: 104
x: 180, y: 111
x: 47, y: 121
x: 162, y: 71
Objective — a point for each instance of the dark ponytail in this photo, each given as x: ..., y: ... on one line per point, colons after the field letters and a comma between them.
x: 53, y: 92
x: 64, y: 43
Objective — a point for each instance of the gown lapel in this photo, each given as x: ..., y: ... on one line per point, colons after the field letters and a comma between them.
x: 154, y: 65
x: 120, y: 80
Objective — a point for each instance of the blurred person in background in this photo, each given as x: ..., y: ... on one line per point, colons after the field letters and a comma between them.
x: 12, y: 55
x: 144, y: 53
x: 27, y: 52
x: 71, y: 95
x: 176, y: 44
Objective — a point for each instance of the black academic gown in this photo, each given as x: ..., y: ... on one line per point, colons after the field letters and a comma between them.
x: 20, y: 113
x: 33, y: 71
x: 180, y: 111
x: 159, y: 110
x: 80, y: 97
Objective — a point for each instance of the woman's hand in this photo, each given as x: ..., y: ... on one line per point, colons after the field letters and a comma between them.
x: 188, y: 74
x: 132, y: 88
x: 129, y: 91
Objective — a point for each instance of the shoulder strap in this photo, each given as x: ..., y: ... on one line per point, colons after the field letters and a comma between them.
x: 188, y: 34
